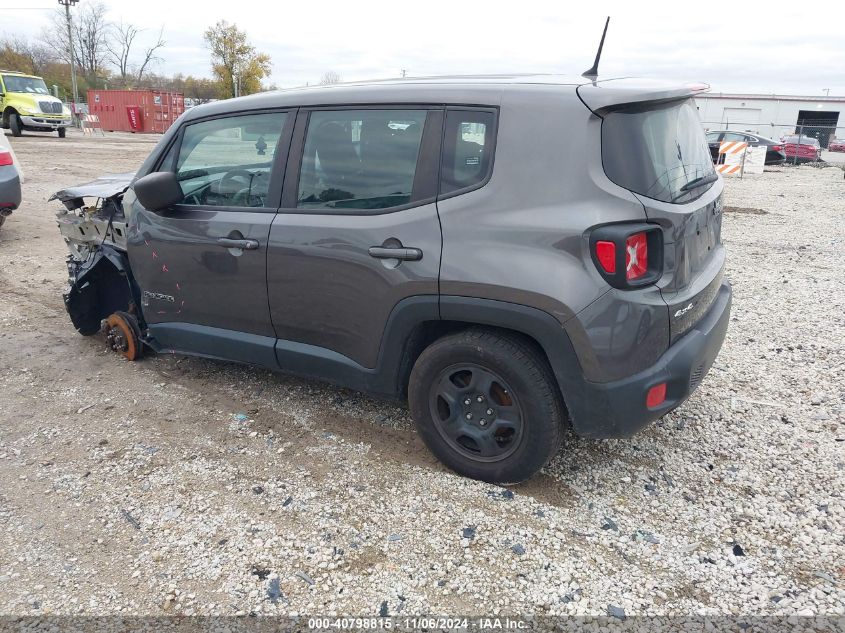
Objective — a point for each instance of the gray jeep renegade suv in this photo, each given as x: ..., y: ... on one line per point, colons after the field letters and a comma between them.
x: 510, y: 254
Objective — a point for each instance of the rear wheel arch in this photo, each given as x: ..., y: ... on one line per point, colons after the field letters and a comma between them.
x: 418, y: 322
x: 429, y: 332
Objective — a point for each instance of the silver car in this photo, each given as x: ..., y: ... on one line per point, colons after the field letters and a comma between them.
x: 10, y: 180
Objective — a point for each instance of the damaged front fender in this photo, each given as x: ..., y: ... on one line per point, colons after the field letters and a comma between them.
x: 99, y: 286
x: 102, y: 221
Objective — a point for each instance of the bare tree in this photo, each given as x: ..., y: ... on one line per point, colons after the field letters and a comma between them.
x: 90, y: 34
x: 119, y: 47
x: 330, y: 77
x: 150, y: 54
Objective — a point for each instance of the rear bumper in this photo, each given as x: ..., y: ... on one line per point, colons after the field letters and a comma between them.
x: 10, y: 190
x: 44, y: 123
x: 618, y: 409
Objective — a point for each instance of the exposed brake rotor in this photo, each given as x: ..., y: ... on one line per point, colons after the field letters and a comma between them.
x: 123, y: 334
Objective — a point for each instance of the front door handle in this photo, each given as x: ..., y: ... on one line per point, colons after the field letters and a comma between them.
x: 396, y: 252
x: 247, y: 245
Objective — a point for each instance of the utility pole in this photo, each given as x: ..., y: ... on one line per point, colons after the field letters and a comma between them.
x: 67, y: 4
x: 404, y: 73
x: 826, y: 92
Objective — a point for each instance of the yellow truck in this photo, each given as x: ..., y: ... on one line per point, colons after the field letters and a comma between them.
x: 26, y: 104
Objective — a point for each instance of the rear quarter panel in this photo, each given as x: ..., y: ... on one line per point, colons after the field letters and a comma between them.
x: 521, y: 238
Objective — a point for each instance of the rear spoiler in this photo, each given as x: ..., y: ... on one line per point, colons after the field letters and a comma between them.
x: 611, y: 94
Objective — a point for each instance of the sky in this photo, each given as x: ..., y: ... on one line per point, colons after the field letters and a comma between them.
x: 758, y: 47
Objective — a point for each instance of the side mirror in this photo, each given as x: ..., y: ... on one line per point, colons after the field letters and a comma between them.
x: 158, y: 190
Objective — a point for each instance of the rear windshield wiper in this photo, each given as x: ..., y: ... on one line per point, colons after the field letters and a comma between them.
x: 700, y: 181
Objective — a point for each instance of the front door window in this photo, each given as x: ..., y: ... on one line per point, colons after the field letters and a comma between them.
x: 227, y: 162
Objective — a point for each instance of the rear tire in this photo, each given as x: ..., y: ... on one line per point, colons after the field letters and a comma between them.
x: 15, y: 124
x: 62, y: 132
x: 487, y: 405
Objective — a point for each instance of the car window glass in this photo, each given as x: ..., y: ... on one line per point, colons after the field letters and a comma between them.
x: 166, y: 163
x: 712, y: 137
x: 227, y: 162
x: 467, y: 150
x: 360, y: 159
x: 733, y: 136
x: 32, y: 85
x: 659, y: 152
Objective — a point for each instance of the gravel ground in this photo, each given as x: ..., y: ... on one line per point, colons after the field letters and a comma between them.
x: 183, y: 486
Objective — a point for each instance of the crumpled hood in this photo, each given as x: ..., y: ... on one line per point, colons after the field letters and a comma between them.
x: 103, y: 187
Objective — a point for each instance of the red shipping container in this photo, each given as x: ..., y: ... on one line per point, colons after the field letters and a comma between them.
x: 155, y: 110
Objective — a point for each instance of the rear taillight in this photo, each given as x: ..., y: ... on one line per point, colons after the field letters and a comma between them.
x: 628, y: 255
x: 636, y: 256
x: 776, y: 148
x: 5, y: 158
x: 606, y: 254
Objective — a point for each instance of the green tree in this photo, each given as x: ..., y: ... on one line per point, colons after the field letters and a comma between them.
x: 235, y: 63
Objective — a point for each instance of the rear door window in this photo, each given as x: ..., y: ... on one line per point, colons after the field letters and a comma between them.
x: 228, y: 161
x: 467, y: 149
x: 360, y: 159
x: 659, y: 152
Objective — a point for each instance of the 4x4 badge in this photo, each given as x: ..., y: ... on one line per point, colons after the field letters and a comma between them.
x: 683, y: 311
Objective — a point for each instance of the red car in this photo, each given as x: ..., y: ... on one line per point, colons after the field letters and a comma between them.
x: 836, y: 145
x: 802, y: 148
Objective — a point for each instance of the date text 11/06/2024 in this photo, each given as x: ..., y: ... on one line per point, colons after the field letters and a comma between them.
x: 418, y: 623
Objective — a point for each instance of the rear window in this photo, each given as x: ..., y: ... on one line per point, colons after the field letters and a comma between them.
x: 659, y: 152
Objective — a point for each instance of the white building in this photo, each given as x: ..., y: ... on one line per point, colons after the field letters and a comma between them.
x: 774, y: 115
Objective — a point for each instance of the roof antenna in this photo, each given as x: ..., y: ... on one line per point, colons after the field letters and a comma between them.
x: 594, y: 71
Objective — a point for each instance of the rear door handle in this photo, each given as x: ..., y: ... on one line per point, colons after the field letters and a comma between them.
x: 397, y: 252
x: 247, y: 245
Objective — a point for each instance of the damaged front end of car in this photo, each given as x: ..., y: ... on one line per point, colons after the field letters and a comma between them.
x: 102, y: 295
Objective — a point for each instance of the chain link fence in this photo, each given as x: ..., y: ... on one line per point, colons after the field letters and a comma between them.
x: 830, y: 139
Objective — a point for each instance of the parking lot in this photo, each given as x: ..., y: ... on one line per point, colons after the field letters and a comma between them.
x: 180, y: 485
